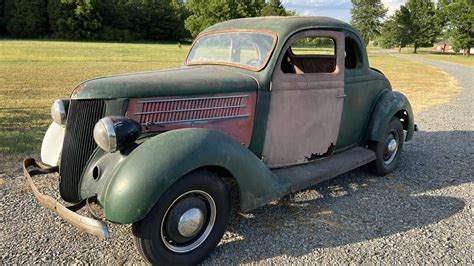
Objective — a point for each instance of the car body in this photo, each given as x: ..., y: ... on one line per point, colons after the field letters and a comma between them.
x: 248, y: 105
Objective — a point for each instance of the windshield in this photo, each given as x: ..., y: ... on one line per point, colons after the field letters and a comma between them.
x: 245, y: 49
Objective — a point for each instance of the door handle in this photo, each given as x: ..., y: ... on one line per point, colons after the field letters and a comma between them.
x: 341, y: 96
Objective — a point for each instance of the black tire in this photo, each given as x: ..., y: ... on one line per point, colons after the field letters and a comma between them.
x: 385, y: 161
x: 161, y: 223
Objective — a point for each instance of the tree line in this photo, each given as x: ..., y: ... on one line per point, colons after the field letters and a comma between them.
x: 124, y: 20
x: 417, y: 23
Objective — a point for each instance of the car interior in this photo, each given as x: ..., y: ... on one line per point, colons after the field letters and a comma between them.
x: 317, y: 63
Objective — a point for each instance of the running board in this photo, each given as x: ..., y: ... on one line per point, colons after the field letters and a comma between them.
x: 309, y: 174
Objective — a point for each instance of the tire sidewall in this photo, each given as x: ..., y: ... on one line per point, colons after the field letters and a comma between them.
x: 380, y: 167
x: 149, y: 229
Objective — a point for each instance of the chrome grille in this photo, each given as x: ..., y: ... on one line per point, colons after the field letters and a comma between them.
x: 78, y: 144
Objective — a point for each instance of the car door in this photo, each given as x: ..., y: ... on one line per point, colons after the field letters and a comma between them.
x: 306, y: 102
x: 362, y: 91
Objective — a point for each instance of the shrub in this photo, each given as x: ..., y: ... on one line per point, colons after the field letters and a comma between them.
x: 2, y: 28
x: 26, y: 18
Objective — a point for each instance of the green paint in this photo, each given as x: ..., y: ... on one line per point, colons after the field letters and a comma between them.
x: 116, y: 106
x: 131, y: 184
x: 175, y: 82
x: 390, y: 104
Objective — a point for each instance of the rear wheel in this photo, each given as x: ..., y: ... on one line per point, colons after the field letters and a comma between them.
x: 187, y: 223
x: 388, y: 151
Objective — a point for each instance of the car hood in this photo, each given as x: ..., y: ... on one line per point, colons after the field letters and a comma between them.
x: 181, y: 81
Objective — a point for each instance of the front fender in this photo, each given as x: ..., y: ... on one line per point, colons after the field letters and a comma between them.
x: 149, y: 170
x: 390, y: 104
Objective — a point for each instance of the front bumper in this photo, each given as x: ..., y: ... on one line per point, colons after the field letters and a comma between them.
x: 85, y: 224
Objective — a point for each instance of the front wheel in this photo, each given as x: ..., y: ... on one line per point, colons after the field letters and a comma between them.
x: 388, y: 151
x: 187, y: 223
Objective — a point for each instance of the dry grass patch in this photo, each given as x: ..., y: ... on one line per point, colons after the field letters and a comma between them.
x: 425, y: 86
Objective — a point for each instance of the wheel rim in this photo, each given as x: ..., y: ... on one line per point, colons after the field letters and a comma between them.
x: 188, y: 221
x: 391, y: 147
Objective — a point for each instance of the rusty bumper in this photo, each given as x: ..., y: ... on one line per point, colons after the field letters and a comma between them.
x: 88, y: 225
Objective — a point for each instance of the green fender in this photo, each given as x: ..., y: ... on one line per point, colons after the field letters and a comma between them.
x: 391, y: 103
x: 149, y: 170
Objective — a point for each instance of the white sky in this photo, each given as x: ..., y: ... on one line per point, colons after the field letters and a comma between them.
x: 340, y: 9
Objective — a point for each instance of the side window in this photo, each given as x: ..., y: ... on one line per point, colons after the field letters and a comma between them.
x: 310, y: 55
x: 352, y: 59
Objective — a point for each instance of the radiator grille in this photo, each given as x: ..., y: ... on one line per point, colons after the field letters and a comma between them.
x: 184, y: 110
x: 78, y: 144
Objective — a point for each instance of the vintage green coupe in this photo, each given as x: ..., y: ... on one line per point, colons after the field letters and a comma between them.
x: 272, y: 104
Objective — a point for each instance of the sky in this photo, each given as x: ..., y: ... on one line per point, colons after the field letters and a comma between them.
x: 340, y: 9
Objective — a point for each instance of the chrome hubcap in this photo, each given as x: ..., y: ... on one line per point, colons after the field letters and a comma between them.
x: 191, y: 222
x: 391, y: 147
x: 188, y: 221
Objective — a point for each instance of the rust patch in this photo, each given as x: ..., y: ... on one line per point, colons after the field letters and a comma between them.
x: 75, y: 92
x: 316, y: 156
x: 231, y: 114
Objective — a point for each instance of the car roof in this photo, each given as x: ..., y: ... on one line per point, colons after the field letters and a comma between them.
x: 282, y: 26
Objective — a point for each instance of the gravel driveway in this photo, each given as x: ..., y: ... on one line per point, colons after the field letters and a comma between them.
x: 422, y: 213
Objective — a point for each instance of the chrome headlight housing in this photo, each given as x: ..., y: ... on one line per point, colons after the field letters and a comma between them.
x: 59, y: 111
x: 114, y: 133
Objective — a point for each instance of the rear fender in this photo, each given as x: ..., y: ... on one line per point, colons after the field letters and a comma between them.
x: 390, y: 104
x: 149, y: 170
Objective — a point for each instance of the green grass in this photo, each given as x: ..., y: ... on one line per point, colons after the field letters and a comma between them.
x: 312, y: 51
x: 34, y: 73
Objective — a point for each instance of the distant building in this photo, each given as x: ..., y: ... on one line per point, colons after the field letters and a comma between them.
x: 441, y: 47
x: 444, y: 47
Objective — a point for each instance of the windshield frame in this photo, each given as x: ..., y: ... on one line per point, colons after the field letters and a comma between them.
x: 225, y: 63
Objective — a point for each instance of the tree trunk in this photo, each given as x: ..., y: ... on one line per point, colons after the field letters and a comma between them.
x: 400, y: 48
x: 467, y: 51
x: 416, y: 48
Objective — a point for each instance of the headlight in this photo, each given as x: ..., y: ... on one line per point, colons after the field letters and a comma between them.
x: 115, y: 133
x: 59, y: 111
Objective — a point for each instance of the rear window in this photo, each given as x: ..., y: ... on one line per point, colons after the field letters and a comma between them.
x: 314, y: 46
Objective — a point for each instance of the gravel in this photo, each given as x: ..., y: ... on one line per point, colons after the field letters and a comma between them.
x: 422, y: 213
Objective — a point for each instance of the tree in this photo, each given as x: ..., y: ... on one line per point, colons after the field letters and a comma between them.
x: 25, y: 18
x: 458, y: 18
x: 154, y: 19
x: 396, y: 31
x: 122, y: 20
x: 423, y: 23
x: 204, y: 13
x: 2, y: 28
x: 274, y: 8
x: 367, y: 17
x: 180, y: 13
x: 75, y: 19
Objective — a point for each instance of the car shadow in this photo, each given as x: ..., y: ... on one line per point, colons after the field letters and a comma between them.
x: 358, y: 206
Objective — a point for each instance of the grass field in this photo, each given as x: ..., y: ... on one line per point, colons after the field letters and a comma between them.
x: 34, y: 73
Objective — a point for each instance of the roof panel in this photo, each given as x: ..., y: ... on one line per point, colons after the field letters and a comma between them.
x: 282, y: 26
